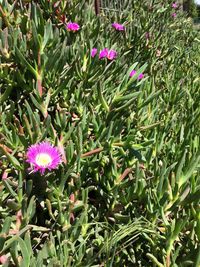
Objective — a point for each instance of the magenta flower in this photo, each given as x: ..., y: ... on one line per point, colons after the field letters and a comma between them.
x: 93, y: 52
x: 109, y: 54
x: 43, y: 156
x: 112, y: 54
x: 133, y: 72
x: 72, y: 26
x: 118, y: 27
x: 141, y: 76
x: 174, y: 5
x: 103, y: 53
x: 173, y: 15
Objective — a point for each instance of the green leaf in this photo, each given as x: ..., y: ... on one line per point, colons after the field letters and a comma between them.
x: 6, y: 225
x: 25, y: 253
x: 192, y: 165
x: 9, y: 188
x: 180, y: 166
x: 24, y: 62
x: 11, y: 158
x: 150, y: 98
x: 10, y: 241
x: 154, y: 260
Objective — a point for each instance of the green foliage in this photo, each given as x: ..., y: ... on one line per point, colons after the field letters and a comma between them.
x: 128, y: 190
x: 191, y: 8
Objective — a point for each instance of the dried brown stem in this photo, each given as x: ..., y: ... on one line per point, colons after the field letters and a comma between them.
x: 92, y: 152
x: 125, y: 173
x: 97, y: 6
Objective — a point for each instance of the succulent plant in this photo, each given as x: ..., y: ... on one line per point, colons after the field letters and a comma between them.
x: 112, y: 114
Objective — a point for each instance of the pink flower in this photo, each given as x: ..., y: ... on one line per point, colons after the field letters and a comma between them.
x: 133, y: 72
x: 118, y: 27
x: 72, y: 26
x: 93, y: 52
x: 3, y: 259
x: 141, y: 76
x: 109, y: 54
x: 174, y: 5
x: 173, y: 15
x: 112, y: 54
x: 4, y: 175
x: 103, y: 53
x: 43, y: 156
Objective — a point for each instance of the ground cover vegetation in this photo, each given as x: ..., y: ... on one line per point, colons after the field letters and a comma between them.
x: 99, y: 135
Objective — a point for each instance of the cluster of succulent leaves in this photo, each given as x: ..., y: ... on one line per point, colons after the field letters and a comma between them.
x: 128, y: 190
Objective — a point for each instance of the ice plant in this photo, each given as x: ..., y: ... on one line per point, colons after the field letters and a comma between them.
x: 72, y: 26
x: 112, y: 54
x: 118, y: 27
x: 109, y: 54
x: 93, y: 52
x: 43, y: 156
x: 103, y: 53
x: 174, y: 5
x: 133, y: 72
x: 141, y: 76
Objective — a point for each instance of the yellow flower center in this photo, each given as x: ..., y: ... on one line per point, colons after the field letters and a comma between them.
x: 43, y: 159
